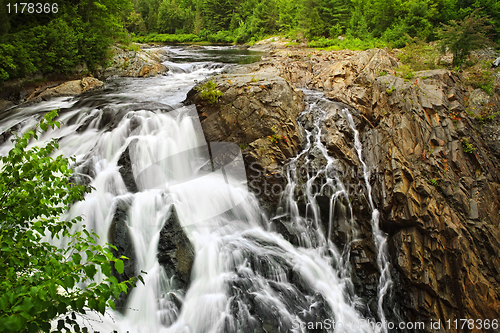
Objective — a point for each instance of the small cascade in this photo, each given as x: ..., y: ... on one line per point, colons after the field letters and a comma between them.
x: 379, y: 236
x: 321, y: 179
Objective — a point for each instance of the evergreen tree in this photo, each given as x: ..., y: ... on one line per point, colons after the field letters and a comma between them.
x: 170, y: 17
x: 462, y: 37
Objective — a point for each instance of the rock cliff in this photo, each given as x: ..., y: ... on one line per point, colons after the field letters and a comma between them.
x: 432, y: 144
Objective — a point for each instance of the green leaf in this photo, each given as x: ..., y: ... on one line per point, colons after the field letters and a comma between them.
x: 106, y: 268
x: 69, y: 281
x: 80, y: 303
x: 77, y: 258
x: 52, y: 311
x: 32, y: 327
x: 119, y: 266
x: 101, y: 307
x: 90, y: 271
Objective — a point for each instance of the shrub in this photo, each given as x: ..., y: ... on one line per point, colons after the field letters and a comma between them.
x: 210, y: 93
x: 467, y: 146
x: 419, y: 55
x: 464, y: 36
x: 39, y: 281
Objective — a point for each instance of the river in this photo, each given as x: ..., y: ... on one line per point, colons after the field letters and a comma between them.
x: 245, y: 277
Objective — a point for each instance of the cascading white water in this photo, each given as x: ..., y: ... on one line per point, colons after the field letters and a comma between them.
x: 332, y: 181
x: 244, y: 277
x: 378, y: 235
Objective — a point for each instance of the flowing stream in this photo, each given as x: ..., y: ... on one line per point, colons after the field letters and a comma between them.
x: 245, y: 276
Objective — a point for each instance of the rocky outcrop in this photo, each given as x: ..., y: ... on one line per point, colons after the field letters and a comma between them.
x: 119, y: 236
x: 258, y: 112
x: 143, y: 63
x: 438, y: 185
x: 435, y: 175
x: 125, y: 164
x: 175, y: 251
x: 69, y: 88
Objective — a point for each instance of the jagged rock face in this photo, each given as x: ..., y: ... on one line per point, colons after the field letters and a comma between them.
x: 257, y: 111
x: 435, y: 175
x: 438, y: 184
x: 440, y: 204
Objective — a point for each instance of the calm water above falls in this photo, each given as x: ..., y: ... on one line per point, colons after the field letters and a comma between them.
x: 245, y: 278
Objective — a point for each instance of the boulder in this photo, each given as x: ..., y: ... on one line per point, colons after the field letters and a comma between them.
x: 175, y: 252
x: 69, y: 88
x: 119, y: 236
x: 143, y: 63
x: 126, y: 171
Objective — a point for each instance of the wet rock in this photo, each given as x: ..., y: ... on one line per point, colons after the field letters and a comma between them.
x: 287, y: 230
x: 125, y: 164
x: 84, y: 173
x: 175, y: 252
x: 5, y: 104
x: 119, y: 236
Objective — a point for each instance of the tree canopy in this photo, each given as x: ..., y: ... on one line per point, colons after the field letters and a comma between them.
x: 240, y: 20
x: 75, y: 32
x: 81, y: 31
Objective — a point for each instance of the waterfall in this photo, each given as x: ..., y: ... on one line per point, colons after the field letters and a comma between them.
x: 378, y: 235
x: 245, y: 276
x: 334, y: 189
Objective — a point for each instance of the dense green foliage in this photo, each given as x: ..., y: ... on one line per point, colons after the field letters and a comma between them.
x: 388, y: 21
x: 39, y: 282
x: 464, y: 36
x: 80, y: 32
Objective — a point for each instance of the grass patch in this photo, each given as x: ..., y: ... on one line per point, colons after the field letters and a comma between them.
x: 405, y: 71
x: 481, y: 77
x: 434, y: 182
x: 419, y: 56
x: 353, y: 44
x: 168, y: 38
x: 130, y: 47
x: 467, y: 146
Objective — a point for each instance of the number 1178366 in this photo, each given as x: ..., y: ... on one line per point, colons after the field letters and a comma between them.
x: 32, y: 8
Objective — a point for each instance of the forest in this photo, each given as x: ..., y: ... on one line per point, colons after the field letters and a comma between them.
x: 81, y: 31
